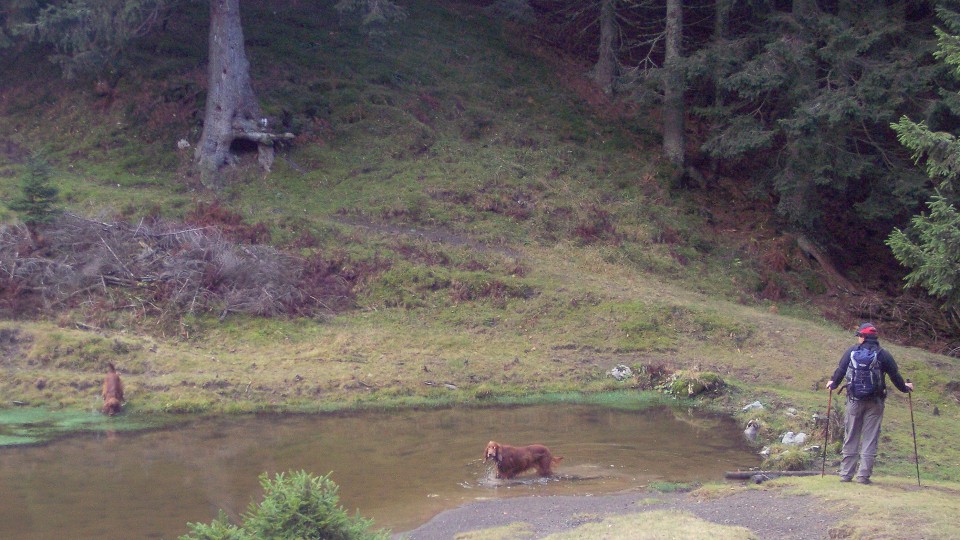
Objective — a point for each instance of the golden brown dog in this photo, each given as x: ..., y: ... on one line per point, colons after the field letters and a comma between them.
x: 514, y: 460
x: 112, y: 391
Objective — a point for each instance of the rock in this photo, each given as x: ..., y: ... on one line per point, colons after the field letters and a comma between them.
x: 794, y: 439
x: 751, y: 430
x: 760, y: 478
x: 754, y: 405
x: 621, y: 372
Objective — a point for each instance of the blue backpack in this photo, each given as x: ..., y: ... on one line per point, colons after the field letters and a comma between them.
x: 864, y: 376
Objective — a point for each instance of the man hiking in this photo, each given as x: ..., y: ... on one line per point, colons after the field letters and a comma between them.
x: 864, y: 366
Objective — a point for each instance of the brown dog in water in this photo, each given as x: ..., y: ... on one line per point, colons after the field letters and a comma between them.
x: 513, y: 460
x: 112, y: 391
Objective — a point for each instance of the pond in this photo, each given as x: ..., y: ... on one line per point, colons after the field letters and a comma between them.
x: 399, y: 468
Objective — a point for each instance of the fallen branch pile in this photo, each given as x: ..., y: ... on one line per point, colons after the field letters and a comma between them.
x: 160, y: 267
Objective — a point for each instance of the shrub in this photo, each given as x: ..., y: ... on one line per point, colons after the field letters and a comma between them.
x: 790, y: 459
x: 37, y: 200
x: 294, y: 506
x: 684, y: 384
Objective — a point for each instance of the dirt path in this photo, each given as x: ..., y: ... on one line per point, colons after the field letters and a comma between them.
x: 767, y: 512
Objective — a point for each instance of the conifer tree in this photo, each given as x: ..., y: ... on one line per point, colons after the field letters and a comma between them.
x: 930, y: 247
x: 89, y: 37
x: 804, y: 97
x: 36, y: 203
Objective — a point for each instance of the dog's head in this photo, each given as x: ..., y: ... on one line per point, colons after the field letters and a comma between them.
x: 493, y: 452
x: 111, y: 406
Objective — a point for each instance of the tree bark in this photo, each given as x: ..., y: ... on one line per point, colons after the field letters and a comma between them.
x: 721, y: 31
x: 673, y: 88
x: 805, y: 8
x: 231, y: 102
x: 834, y: 277
x: 605, y: 70
x: 721, y: 19
x: 747, y: 475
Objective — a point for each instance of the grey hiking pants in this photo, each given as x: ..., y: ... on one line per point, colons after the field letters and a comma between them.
x: 861, y: 433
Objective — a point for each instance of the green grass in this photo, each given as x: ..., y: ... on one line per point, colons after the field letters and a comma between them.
x: 654, y: 525
x: 921, y: 510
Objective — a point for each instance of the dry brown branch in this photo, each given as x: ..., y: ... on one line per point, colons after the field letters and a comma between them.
x: 181, y: 270
x: 914, y: 320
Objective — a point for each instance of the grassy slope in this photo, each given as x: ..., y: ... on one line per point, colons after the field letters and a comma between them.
x: 450, y: 128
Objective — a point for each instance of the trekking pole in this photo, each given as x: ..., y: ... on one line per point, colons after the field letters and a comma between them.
x: 826, y: 434
x: 913, y: 427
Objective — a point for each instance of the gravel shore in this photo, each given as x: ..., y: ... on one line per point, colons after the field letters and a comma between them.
x: 767, y: 512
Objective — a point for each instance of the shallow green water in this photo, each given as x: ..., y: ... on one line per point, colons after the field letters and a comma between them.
x: 399, y: 468
x: 27, y: 425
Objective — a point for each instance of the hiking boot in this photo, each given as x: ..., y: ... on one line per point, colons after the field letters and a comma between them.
x: 845, y: 478
x: 864, y: 481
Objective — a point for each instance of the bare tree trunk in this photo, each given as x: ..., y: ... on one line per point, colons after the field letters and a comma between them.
x: 721, y: 19
x: 232, y: 107
x: 805, y: 7
x: 605, y: 71
x: 721, y: 30
x: 673, y: 88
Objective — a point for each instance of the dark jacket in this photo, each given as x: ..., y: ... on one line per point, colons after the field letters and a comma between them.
x: 887, y: 365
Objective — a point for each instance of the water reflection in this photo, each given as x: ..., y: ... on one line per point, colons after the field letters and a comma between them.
x: 397, y: 468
